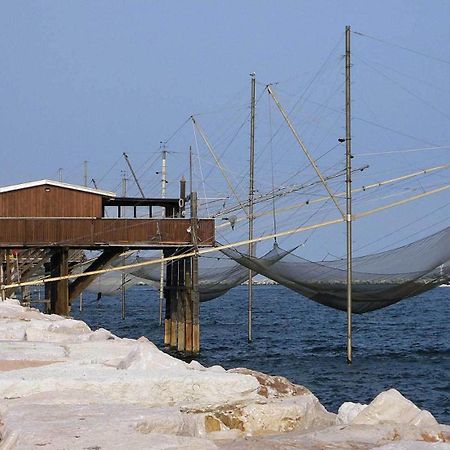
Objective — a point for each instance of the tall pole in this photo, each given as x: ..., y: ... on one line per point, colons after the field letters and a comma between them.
x: 85, y: 167
x: 251, y: 191
x: 60, y: 174
x: 123, y: 277
x: 163, y: 195
x: 348, y: 182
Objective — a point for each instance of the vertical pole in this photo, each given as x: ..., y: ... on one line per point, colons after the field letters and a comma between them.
x: 123, y: 277
x: 60, y: 174
x: 81, y: 301
x: 85, y: 167
x: 181, y: 289
x: 174, y: 301
x: 190, y: 169
x: 59, y: 290
x: 163, y: 195
x: 2, y: 276
x: 8, y: 271
x: 168, y: 295
x: 348, y: 181
x: 188, y: 305
x: 195, y: 293
x: 251, y: 245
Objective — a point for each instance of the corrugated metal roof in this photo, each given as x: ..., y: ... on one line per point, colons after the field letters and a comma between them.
x: 60, y: 184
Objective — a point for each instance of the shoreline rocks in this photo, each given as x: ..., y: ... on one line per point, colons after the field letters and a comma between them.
x: 63, y: 385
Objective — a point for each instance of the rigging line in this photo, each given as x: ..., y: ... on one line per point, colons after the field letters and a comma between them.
x: 305, y: 150
x: 176, y: 131
x: 206, y: 250
x: 404, y: 88
x: 400, y: 133
x: 311, y: 82
x: 439, y: 208
x: 200, y: 166
x: 408, y: 76
x: 213, y: 153
x: 361, y: 189
x: 408, y: 150
x: 110, y: 170
x: 241, y: 126
x: 417, y: 52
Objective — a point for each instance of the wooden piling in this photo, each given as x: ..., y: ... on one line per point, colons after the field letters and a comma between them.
x: 174, y: 305
x: 188, y: 305
x: 195, y: 293
x: 168, y: 297
x: 59, y: 290
x: 181, y: 309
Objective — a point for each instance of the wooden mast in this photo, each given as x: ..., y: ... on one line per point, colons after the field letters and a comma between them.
x: 348, y: 182
x: 251, y: 245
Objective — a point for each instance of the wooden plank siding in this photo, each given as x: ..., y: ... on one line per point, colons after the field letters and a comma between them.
x: 50, y: 201
x: 101, y: 232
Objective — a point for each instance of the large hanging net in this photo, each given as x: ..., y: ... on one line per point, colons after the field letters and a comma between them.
x: 216, y: 275
x: 379, y: 280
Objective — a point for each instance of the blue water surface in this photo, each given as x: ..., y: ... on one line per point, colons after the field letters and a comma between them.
x: 405, y: 346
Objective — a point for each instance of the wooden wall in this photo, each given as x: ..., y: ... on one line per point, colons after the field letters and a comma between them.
x: 50, y: 201
x: 91, y: 233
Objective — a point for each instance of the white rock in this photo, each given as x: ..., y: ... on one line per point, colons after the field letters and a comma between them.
x: 391, y: 406
x: 347, y: 412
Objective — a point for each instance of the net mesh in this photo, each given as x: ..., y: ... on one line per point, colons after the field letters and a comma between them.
x: 216, y: 275
x: 379, y: 280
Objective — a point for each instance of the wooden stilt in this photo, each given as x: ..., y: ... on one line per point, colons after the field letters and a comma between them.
x: 174, y: 305
x: 181, y: 310
x: 168, y: 297
x: 9, y: 267
x: 188, y: 305
x: 59, y: 290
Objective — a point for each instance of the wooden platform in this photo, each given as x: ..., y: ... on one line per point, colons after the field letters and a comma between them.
x: 99, y: 233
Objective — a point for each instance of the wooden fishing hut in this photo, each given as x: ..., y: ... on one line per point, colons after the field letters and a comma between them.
x: 44, y: 222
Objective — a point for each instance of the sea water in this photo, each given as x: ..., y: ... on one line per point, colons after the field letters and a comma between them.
x: 405, y: 346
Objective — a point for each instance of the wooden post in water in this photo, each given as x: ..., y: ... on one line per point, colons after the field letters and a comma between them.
x: 348, y: 182
x: 195, y: 293
x: 168, y: 297
x: 174, y: 304
x: 188, y: 304
x: 59, y: 290
x: 181, y: 310
x: 181, y: 287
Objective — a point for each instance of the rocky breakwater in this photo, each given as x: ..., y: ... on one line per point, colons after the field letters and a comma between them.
x: 63, y: 385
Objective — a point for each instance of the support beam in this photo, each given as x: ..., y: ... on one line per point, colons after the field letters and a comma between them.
x: 80, y: 284
x: 195, y: 293
x: 188, y: 297
x: 181, y: 307
x: 168, y: 296
x: 59, y: 290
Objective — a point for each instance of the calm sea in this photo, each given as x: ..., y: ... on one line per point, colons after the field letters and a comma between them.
x: 406, y: 346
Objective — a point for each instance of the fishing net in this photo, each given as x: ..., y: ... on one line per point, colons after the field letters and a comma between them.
x: 111, y: 283
x: 216, y: 275
x: 379, y: 280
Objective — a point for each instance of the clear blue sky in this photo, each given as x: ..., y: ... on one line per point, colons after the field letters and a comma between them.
x: 87, y: 80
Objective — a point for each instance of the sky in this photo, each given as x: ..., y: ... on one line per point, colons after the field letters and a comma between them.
x: 89, y: 80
